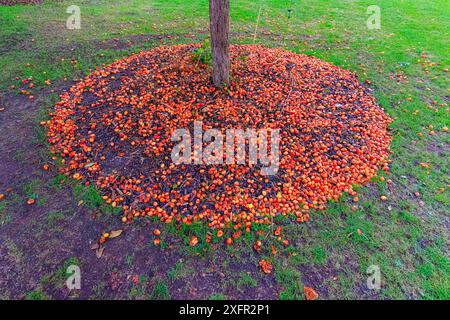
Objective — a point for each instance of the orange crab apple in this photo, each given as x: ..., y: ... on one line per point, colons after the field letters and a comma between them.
x: 193, y: 241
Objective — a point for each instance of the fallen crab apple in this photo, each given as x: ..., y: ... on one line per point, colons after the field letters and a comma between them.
x: 99, y: 245
x: 193, y: 241
x: 310, y: 293
x: 113, y: 130
x: 109, y: 235
x: 266, y: 266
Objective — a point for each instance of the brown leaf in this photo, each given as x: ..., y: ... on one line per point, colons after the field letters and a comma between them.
x: 95, y: 246
x: 115, y: 233
x: 99, y: 252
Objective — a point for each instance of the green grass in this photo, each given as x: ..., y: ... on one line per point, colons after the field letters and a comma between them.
x: 246, y: 281
x: 36, y: 295
x: 179, y: 271
x: 129, y: 260
x: 290, y: 281
x: 139, y: 290
x: 160, y: 291
x: 91, y: 198
x: 217, y: 296
x: 33, y: 190
x: 5, y: 206
x: 54, y: 216
x: 406, y: 236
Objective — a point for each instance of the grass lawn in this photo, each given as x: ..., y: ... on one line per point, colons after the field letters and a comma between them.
x: 406, y: 236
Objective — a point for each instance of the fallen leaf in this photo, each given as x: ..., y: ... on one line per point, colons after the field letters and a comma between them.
x: 115, y: 233
x: 99, y: 252
x: 95, y: 246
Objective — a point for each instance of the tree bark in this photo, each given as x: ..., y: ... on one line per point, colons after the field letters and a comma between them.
x: 219, y: 26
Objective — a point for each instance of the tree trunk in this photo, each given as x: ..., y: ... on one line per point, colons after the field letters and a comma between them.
x: 219, y: 25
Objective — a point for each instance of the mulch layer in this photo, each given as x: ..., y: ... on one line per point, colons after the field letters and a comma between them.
x: 113, y: 129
